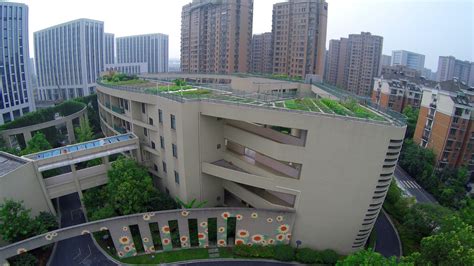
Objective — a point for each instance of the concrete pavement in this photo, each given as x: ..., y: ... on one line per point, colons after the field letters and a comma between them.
x: 387, y: 243
x: 411, y: 187
x: 78, y: 250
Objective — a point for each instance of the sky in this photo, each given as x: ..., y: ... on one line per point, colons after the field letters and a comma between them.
x: 429, y: 27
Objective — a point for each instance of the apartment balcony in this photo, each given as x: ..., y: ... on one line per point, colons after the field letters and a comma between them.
x: 120, y: 130
x: 430, y: 116
x: 258, y: 197
x: 117, y: 109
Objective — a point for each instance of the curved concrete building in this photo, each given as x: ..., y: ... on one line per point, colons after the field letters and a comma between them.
x: 256, y: 149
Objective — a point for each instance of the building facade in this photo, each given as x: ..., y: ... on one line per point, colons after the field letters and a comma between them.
x: 16, y: 97
x: 400, y: 70
x: 386, y: 60
x: 445, y: 124
x: 109, y: 48
x: 261, y: 56
x: 69, y: 58
x: 409, y: 59
x: 231, y: 154
x: 354, y: 62
x: 149, y: 48
x: 216, y: 36
x: 128, y: 68
x: 450, y: 68
x: 299, y: 37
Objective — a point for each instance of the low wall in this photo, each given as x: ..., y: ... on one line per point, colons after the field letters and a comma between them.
x: 253, y: 226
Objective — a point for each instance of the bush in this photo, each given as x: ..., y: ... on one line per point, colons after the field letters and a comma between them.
x: 25, y: 259
x: 255, y: 251
x: 284, y: 253
x: 329, y: 256
x: 308, y: 256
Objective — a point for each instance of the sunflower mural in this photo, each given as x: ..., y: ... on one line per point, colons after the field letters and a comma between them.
x: 166, y: 238
x: 126, y: 247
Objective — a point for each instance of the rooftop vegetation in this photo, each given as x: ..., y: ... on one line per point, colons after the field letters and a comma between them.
x: 44, y: 115
x: 115, y: 78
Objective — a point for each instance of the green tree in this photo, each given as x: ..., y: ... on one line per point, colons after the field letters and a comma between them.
x: 36, y: 144
x: 84, y: 131
x: 15, y: 222
x: 452, y: 245
x: 129, y: 187
x: 179, y: 82
x: 192, y: 204
x: 451, y: 189
x: 422, y: 220
x: 366, y: 258
x: 24, y: 259
x: 412, y: 117
x: 419, y: 163
x: 46, y: 222
x: 395, y: 203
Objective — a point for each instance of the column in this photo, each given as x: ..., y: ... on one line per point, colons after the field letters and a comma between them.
x: 183, y: 229
x: 123, y: 241
x: 27, y: 136
x: 106, y: 162
x: 145, y: 233
x: 203, y: 233
x: 70, y: 132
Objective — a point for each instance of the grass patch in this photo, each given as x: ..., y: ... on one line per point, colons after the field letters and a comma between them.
x: 335, y: 107
x: 322, y: 106
x: 296, y: 104
x: 361, y: 112
x: 169, y: 256
x: 125, y: 82
x: 194, y: 93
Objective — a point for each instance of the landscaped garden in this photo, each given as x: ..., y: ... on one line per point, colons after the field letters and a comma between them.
x: 114, y: 78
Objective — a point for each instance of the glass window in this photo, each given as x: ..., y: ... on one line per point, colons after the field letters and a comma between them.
x: 143, y: 108
x: 162, y: 142
x: 173, y: 122
x: 176, y: 177
x: 145, y: 132
x: 164, y: 167
x: 160, y: 116
x: 175, y: 151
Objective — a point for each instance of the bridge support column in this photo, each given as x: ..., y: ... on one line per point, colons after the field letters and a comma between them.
x: 70, y: 132
x: 106, y: 162
x: 27, y: 136
x: 78, y: 189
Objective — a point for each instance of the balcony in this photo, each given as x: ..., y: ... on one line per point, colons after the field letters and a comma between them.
x: 118, y: 110
x: 119, y: 129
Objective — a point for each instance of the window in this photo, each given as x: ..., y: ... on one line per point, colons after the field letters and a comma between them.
x: 173, y: 122
x: 458, y: 112
x: 452, y: 131
x: 150, y: 121
x: 155, y: 167
x: 145, y: 132
x: 176, y: 177
x: 162, y: 142
x: 164, y: 166
x: 143, y: 108
x: 153, y: 146
x: 175, y: 150
x: 160, y: 116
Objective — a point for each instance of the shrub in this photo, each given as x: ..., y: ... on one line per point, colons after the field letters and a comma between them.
x: 308, y: 256
x: 25, y: 259
x: 329, y: 256
x: 284, y: 253
x: 242, y: 250
x: 256, y: 251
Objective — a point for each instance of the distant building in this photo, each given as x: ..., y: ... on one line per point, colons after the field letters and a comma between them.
x: 428, y: 74
x: 128, y: 68
x: 174, y: 65
x: 397, y: 91
x: 216, y: 36
x: 449, y: 68
x: 261, y: 56
x: 386, y: 60
x: 109, y: 48
x: 445, y: 124
x: 354, y: 62
x: 409, y: 59
x: 299, y: 37
x: 16, y: 97
x: 400, y: 70
x: 68, y: 65
x: 149, y: 48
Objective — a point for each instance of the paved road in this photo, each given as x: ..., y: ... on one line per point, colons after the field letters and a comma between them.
x: 79, y: 250
x: 387, y: 242
x: 409, y: 185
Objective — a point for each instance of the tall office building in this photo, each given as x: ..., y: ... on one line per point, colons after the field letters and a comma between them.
x: 216, y: 36
x: 355, y: 61
x: 409, y: 59
x: 299, y: 37
x: 69, y: 58
x: 261, y: 56
x: 16, y: 97
x: 386, y: 60
x: 449, y: 68
x: 109, y: 48
x: 149, y: 48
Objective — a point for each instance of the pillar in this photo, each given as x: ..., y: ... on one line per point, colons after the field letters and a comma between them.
x: 40, y: 178
x: 78, y: 189
x: 106, y: 162
x: 183, y: 228
x: 221, y: 232
x: 123, y: 241
x: 203, y: 236
x: 70, y: 132
x: 27, y: 136
x: 145, y: 233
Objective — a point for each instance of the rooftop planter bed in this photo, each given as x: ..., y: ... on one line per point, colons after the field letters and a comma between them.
x: 125, y: 82
x: 45, y: 115
x: 361, y: 112
x: 114, y: 78
x: 171, y: 88
x: 336, y: 107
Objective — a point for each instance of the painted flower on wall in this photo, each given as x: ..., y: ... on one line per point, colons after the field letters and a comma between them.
x: 239, y: 217
x: 288, y: 237
x: 203, y: 224
x: 225, y: 215
x: 283, y: 229
x: 146, y: 240
x: 166, y: 241
x: 125, y: 228
x: 257, y: 238
x: 124, y: 240
x: 21, y: 250
x: 120, y: 254
x: 239, y: 241
x: 279, y: 218
x: 165, y: 229
x: 127, y: 248
x: 221, y: 229
x: 184, y: 213
x: 254, y: 215
x: 146, y: 217
x: 151, y: 249
x: 221, y: 243
x: 280, y: 237
x: 201, y: 236
x: 242, y: 233
x: 271, y: 241
x: 269, y: 220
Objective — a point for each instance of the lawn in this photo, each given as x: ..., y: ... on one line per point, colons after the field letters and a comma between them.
x: 361, y: 112
x: 194, y: 93
x: 336, y: 107
x: 296, y: 104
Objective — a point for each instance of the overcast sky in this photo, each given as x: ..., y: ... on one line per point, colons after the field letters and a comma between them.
x: 430, y: 27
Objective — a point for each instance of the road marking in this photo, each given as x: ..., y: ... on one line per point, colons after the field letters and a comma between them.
x: 90, y: 253
x: 411, y: 184
x: 78, y: 254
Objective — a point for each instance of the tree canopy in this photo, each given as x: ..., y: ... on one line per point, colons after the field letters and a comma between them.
x: 36, y: 144
x: 84, y: 131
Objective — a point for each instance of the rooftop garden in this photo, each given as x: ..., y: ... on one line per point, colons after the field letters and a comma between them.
x: 114, y: 78
x: 44, y: 115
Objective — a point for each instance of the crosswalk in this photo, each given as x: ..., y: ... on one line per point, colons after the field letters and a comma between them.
x: 410, y: 184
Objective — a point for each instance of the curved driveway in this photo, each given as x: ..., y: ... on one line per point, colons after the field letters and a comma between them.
x: 387, y: 243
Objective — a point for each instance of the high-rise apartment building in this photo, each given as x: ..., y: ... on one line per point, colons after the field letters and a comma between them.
x: 16, y: 97
x: 400, y: 70
x: 354, y: 62
x: 109, y: 48
x: 299, y: 37
x: 69, y: 58
x: 261, y: 56
x: 149, y: 48
x: 449, y: 68
x: 386, y: 60
x: 445, y: 124
x: 216, y: 36
x: 409, y: 59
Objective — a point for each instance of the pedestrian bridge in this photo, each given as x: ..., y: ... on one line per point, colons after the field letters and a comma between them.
x: 253, y: 226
